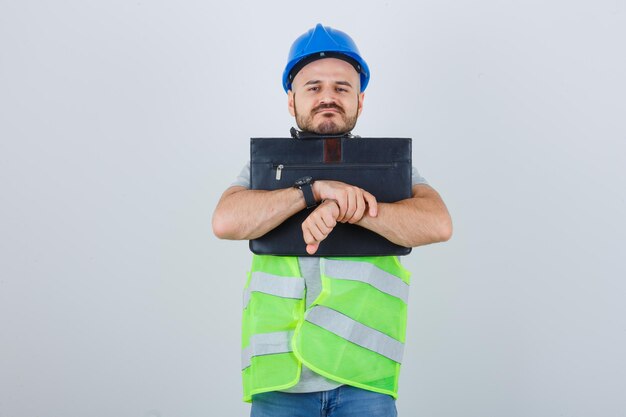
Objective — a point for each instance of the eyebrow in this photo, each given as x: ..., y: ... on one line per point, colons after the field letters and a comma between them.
x: 313, y: 82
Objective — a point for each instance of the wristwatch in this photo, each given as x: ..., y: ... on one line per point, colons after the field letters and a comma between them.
x: 306, y: 185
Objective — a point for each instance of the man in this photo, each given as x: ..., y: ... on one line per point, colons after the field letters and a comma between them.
x: 320, y: 335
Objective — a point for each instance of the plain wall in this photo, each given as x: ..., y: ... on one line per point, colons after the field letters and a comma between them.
x: 121, y: 123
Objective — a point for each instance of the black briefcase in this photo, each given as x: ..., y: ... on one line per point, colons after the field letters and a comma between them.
x: 381, y: 166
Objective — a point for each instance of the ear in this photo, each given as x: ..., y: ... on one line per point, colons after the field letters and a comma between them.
x: 361, y: 98
x: 290, y: 103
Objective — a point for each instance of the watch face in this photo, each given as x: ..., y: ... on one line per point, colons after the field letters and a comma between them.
x: 302, y: 181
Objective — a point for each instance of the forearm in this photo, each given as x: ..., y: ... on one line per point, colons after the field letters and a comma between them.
x: 416, y: 221
x: 247, y: 214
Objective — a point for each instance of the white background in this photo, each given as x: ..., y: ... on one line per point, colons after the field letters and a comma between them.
x: 121, y: 122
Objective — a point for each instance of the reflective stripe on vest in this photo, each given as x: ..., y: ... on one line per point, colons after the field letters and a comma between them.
x: 355, y: 332
x: 286, y: 287
x: 367, y: 273
x: 266, y: 344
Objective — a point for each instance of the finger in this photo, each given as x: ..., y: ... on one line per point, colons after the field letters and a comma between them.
x: 329, y: 220
x: 343, y: 205
x: 306, y: 234
x: 351, y: 206
x: 312, y: 248
x: 342, y: 202
x: 319, y: 231
x: 360, y: 208
x: 314, y: 226
x: 372, y: 203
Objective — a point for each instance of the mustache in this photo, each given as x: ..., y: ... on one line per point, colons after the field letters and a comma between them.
x: 328, y: 106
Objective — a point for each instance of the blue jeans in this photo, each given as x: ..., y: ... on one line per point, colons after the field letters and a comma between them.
x: 345, y: 401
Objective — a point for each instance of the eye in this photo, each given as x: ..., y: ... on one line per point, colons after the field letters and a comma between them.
x: 313, y: 88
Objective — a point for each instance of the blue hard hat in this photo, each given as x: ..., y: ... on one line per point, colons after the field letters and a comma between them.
x: 323, y: 42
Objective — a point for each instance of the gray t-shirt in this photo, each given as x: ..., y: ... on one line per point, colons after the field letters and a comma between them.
x: 310, y: 269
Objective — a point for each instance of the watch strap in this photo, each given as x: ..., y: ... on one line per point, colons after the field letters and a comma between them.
x: 309, y: 198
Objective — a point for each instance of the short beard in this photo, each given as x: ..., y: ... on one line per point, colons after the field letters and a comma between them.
x: 326, y: 127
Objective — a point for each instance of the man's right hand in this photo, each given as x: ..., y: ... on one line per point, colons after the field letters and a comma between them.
x: 352, y: 200
x: 318, y: 225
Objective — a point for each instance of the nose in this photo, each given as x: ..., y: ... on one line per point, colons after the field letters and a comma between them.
x: 327, y: 97
x: 327, y: 94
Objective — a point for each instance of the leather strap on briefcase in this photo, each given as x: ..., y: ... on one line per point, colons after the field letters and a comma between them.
x: 381, y: 166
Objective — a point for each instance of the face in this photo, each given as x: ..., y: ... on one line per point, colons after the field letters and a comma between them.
x: 325, y: 97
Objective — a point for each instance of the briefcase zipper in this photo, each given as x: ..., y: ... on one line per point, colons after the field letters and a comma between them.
x: 279, y: 171
x: 280, y: 167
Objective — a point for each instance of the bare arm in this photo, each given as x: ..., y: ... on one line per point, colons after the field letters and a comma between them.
x: 416, y: 221
x: 247, y: 214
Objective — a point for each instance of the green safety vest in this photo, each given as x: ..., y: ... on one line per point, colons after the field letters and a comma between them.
x: 353, y: 333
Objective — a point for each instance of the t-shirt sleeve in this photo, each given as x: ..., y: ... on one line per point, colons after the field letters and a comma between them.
x: 243, y: 179
x: 416, y: 178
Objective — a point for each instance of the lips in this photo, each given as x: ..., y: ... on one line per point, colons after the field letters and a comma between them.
x: 328, y: 109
